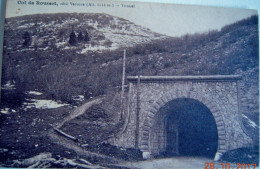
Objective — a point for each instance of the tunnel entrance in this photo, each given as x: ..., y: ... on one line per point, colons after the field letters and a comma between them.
x: 184, y: 127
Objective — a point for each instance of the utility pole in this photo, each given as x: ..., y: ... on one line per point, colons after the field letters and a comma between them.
x: 138, y: 105
x: 137, y: 113
x: 123, y: 86
x: 123, y: 77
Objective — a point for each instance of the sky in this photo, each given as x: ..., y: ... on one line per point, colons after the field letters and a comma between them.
x: 169, y: 19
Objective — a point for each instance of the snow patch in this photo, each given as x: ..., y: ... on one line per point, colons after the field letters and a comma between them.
x: 94, y: 48
x: 43, y: 104
x: 251, y: 123
x: 8, y: 86
x: 104, y: 65
x: 78, y: 98
x: 7, y: 111
x: 23, y: 26
x: 61, y: 44
x: 45, y: 48
x: 35, y: 93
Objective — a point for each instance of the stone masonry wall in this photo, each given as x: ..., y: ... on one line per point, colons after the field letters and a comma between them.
x: 219, y: 97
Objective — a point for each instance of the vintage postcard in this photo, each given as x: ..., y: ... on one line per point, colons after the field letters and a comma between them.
x: 117, y: 84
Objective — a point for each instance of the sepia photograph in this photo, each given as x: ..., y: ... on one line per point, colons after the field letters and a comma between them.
x: 118, y: 84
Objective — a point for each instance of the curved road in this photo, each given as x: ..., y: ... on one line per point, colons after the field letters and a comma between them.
x: 79, y: 111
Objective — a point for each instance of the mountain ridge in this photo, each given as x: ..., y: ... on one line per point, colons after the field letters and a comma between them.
x: 106, y: 32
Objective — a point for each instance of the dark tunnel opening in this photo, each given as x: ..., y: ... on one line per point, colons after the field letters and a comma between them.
x: 184, y: 127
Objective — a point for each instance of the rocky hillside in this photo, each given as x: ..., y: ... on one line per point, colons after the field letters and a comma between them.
x: 92, y: 32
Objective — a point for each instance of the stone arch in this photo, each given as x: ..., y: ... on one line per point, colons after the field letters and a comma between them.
x: 211, y: 104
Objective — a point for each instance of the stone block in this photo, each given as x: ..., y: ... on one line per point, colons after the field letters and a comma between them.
x: 150, y: 114
x: 222, y: 147
x: 145, y: 137
x: 168, y: 97
x: 221, y: 133
x: 156, y: 106
x: 185, y: 93
x: 220, y: 123
x: 147, y: 155
x: 188, y: 94
x: 217, y: 116
x: 173, y: 95
x: 221, y: 142
x: 218, y: 156
x: 147, y: 123
x: 146, y: 128
x: 164, y: 100
x: 221, y: 128
x: 180, y: 94
x: 160, y: 102
x: 177, y: 93
x: 144, y: 148
x: 145, y: 133
x: 214, y: 109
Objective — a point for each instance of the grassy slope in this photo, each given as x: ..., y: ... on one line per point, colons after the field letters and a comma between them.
x: 62, y: 74
x: 233, y: 50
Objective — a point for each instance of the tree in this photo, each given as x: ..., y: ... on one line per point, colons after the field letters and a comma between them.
x: 27, y: 39
x: 80, y: 37
x: 73, y: 38
x: 87, y: 38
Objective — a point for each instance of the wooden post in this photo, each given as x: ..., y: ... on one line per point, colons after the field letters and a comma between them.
x: 137, y: 113
x: 65, y: 134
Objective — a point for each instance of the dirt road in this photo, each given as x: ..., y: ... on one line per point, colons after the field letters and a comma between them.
x: 79, y: 111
